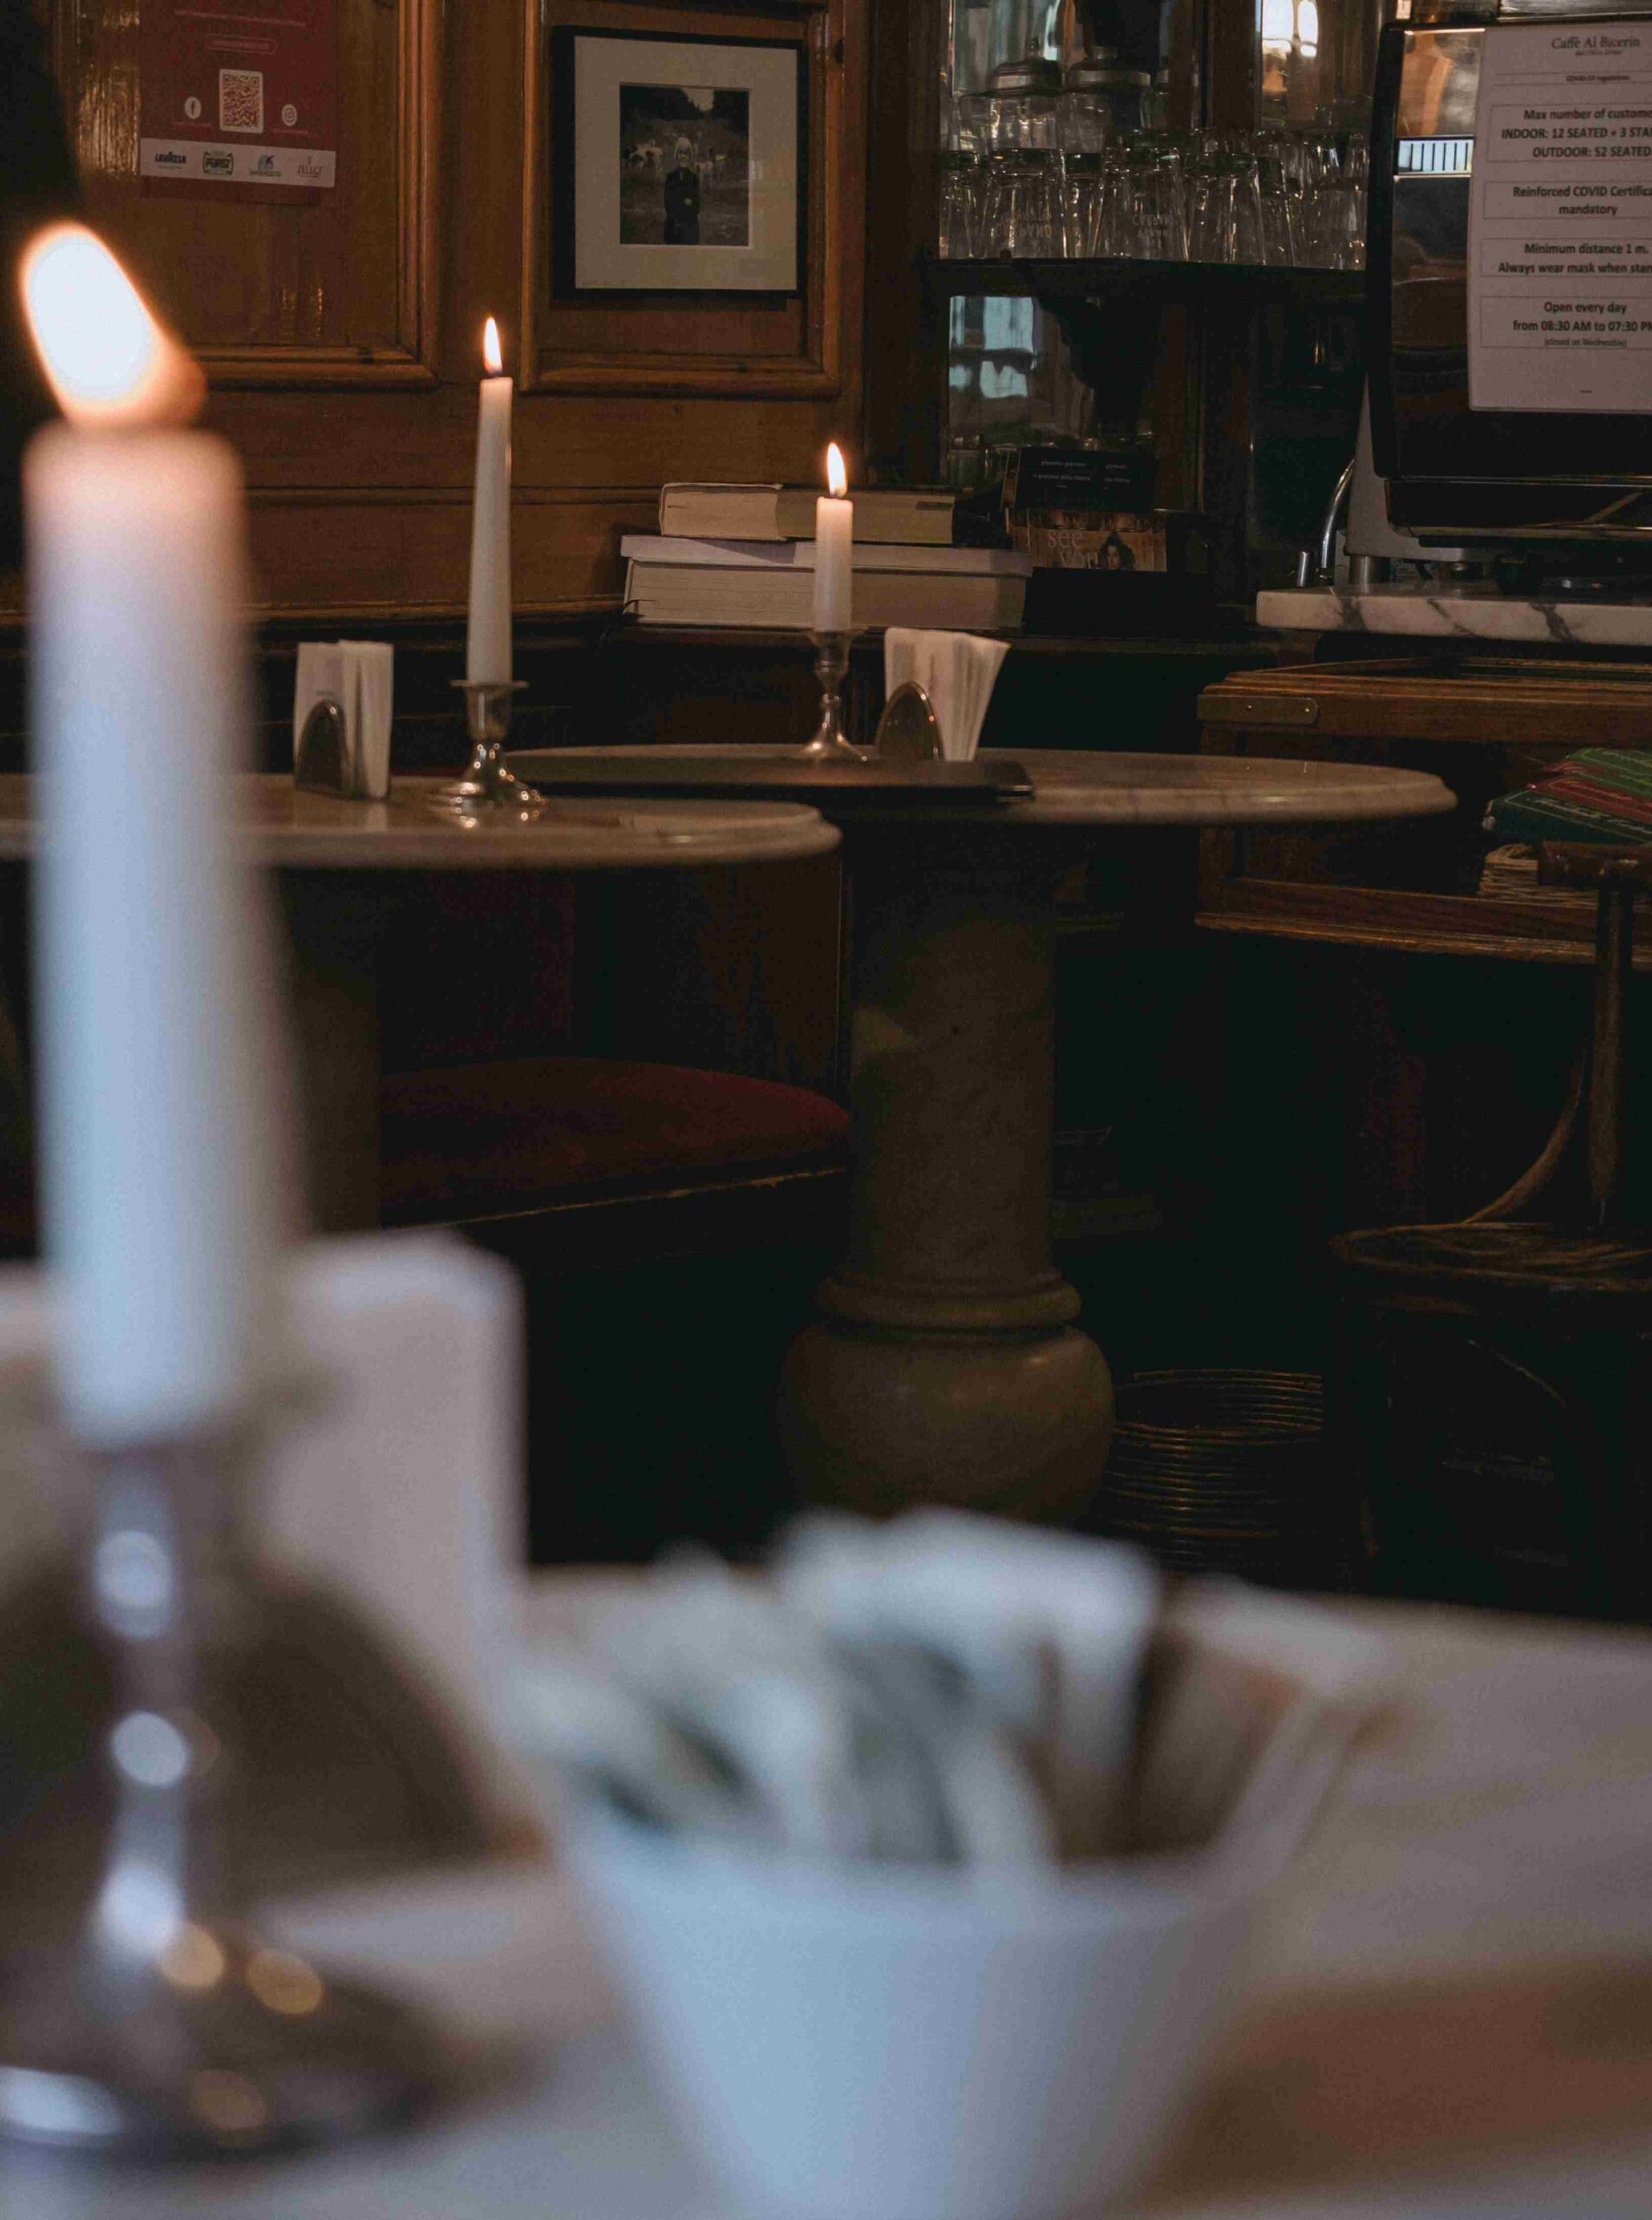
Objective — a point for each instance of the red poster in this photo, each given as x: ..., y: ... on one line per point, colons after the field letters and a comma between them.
x: 238, y: 97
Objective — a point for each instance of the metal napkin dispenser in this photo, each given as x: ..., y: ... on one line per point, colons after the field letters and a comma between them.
x: 341, y: 718
x: 1509, y: 272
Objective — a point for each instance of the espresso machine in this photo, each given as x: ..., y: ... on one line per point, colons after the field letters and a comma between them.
x: 1509, y: 277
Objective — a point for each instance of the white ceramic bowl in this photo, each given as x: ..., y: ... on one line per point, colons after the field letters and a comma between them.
x: 885, y: 2042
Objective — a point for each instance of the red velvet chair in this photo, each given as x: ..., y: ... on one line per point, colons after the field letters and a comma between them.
x: 627, y: 1157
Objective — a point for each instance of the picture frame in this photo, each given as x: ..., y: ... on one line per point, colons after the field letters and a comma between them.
x: 678, y: 164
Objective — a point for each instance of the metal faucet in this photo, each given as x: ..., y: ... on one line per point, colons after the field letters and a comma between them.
x: 1324, y: 573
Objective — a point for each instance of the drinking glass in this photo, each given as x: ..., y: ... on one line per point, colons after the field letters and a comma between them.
x: 1114, y: 232
x: 1122, y: 96
x: 1326, y: 206
x: 974, y: 138
x: 960, y: 207
x: 965, y: 131
x: 1084, y: 120
x: 1025, y: 219
x: 1023, y: 117
x: 1279, y: 244
x: 1140, y: 217
x: 1082, y: 178
x: 1348, y: 230
x: 1165, y: 154
x: 1224, y: 204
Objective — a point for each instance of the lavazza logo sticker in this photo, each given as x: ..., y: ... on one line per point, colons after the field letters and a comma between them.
x: 216, y: 164
x: 169, y: 159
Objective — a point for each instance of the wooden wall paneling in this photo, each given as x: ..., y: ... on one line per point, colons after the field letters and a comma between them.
x: 802, y: 347
x: 357, y: 430
x: 336, y: 292
x: 385, y: 553
x: 906, y: 324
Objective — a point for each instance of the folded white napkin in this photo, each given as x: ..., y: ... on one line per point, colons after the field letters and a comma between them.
x: 1048, y: 1632
x: 358, y: 674
x: 957, y: 671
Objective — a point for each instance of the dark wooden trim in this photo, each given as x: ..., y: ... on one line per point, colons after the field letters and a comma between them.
x: 906, y: 326
x: 1401, y: 923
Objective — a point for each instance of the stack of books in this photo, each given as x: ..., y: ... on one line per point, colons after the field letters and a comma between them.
x: 1509, y: 874
x: 744, y: 555
x: 902, y: 516
x: 1602, y: 795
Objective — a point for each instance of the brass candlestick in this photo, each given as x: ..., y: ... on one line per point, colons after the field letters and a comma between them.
x: 182, y: 1690
x: 831, y: 743
x: 487, y: 788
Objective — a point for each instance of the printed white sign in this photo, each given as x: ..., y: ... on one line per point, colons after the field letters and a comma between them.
x: 1560, y: 229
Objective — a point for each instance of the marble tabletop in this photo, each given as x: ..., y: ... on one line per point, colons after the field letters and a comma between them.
x: 298, y: 829
x: 1458, y: 612
x: 1117, y: 787
x: 1452, y: 2019
x: 1086, y: 787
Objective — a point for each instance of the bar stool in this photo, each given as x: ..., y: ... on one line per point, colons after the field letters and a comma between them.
x: 1493, y: 1390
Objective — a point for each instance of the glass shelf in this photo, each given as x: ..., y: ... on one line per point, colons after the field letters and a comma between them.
x: 1065, y: 279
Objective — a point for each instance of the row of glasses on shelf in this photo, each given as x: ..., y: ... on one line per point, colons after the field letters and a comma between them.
x: 1280, y: 198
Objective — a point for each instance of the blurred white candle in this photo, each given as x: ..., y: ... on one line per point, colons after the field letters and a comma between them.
x: 151, y: 1017
x: 487, y: 639
x: 834, y: 536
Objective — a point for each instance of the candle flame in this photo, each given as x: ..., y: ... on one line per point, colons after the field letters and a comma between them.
x: 493, y: 361
x: 837, y: 476
x: 109, y: 362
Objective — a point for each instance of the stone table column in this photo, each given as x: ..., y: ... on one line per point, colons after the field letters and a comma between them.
x: 945, y: 1366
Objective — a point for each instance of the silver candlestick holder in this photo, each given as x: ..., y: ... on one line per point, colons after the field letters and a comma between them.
x: 831, y: 743
x: 487, y: 788
x: 188, y: 1709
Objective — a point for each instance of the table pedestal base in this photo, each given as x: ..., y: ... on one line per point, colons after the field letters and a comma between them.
x: 1007, y: 1422
x: 946, y: 1367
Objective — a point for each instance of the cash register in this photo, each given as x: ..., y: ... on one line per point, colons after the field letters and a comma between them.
x: 1509, y: 298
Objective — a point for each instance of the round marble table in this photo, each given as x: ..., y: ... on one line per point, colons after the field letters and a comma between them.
x: 337, y: 865
x: 945, y: 1365
x: 300, y: 830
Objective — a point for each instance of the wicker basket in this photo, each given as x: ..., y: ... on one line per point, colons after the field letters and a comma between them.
x: 1224, y: 1471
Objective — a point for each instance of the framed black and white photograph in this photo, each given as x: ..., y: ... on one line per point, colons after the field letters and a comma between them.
x: 677, y: 164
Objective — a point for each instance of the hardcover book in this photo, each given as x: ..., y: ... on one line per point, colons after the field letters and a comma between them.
x: 916, y: 516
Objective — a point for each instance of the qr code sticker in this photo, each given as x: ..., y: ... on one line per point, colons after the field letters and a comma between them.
x: 240, y: 100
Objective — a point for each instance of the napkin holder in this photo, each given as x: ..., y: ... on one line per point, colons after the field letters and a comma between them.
x: 909, y: 730
x: 342, y: 720
x: 321, y: 760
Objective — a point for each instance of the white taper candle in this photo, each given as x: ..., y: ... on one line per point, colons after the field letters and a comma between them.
x: 152, y: 1018
x: 487, y: 638
x: 835, y: 534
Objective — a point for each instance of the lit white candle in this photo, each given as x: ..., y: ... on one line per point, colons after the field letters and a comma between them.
x: 487, y: 638
x: 152, y: 1009
x: 834, y: 537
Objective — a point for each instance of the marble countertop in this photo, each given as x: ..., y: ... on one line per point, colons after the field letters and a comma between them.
x: 1452, y: 2019
x: 1458, y: 612
x: 298, y: 829
x: 1115, y: 787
